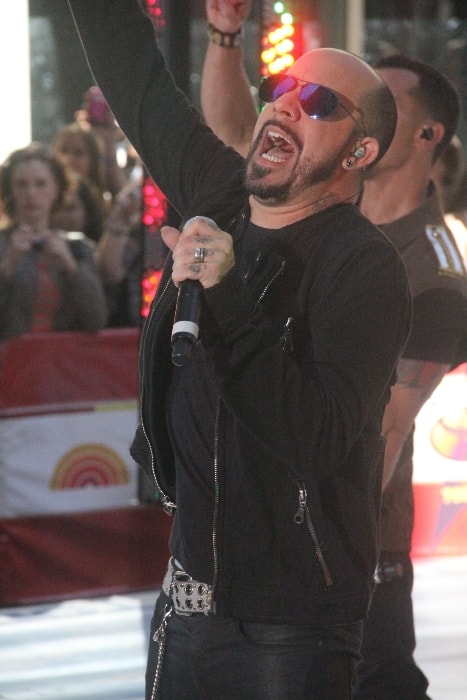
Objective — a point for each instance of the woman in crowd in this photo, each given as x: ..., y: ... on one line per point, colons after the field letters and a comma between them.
x: 81, y: 209
x: 88, y: 147
x: 48, y: 280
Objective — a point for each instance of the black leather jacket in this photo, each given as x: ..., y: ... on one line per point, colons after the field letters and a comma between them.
x: 298, y: 451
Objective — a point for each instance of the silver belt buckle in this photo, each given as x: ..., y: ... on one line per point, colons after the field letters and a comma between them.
x: 188, y: 596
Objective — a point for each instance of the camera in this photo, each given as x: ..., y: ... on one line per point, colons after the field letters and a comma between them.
x: 97, y: 107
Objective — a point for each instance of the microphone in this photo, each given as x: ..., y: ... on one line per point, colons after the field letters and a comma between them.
x: 185, y: 329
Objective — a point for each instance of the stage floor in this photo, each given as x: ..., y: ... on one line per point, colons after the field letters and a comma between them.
x: 95, y: 648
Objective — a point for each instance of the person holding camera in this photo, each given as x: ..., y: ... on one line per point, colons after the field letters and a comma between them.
x: 48, y: 278
x: 88, y: 146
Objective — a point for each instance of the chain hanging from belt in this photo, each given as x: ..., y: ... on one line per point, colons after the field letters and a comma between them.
x: 160, y: 636
x: 187, y: 597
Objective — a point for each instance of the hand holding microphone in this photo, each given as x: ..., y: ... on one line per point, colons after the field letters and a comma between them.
x: 202, y: 256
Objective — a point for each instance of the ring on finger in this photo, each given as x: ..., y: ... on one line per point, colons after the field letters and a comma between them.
x: 200, y: 254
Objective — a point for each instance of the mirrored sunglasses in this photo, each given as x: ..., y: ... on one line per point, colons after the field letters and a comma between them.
x: 317, y: 101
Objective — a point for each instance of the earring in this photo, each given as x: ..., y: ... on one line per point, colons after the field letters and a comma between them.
x: 427, y: 133
x: 349, y: 163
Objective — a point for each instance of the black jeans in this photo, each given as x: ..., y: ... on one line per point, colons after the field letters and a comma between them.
x: 388, y: 670
x: 213, y: 658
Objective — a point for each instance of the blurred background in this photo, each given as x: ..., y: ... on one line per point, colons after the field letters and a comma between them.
x: 77, y: 521
x: 40, y: 45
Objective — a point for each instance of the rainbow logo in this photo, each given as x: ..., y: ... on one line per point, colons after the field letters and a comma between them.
x: 449, y: 435
x: 89, y: 465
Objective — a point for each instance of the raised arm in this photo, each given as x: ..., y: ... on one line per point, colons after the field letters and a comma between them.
x: 226, y: 100
x: 180, y: 152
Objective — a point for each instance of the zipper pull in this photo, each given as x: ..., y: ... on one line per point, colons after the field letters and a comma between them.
x: 302, y: 497
x: 287, y: 335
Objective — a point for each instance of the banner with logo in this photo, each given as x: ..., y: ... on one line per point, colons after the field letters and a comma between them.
x: 68, y: 412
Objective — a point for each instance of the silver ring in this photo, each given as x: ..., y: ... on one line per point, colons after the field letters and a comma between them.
x: 200, y: 254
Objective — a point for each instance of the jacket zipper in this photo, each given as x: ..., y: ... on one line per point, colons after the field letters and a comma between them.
x: 271, y: 281
x: 303, y: 515
x: 217, y: 427
x: 215, y: 549
x: 167, y: 504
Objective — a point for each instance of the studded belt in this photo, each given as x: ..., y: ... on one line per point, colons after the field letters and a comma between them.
x: 188, y: 596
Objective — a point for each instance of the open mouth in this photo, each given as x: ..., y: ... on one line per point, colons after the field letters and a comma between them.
x: 276, y: 147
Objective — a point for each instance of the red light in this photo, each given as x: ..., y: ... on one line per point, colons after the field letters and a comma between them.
x: 153, y: 217
x: 156, y: 13
x: 154, y: 205
x: 149, y: 284
x: 280, y: 43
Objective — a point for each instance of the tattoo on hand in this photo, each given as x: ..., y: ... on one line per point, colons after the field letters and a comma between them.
x: 195, y: 267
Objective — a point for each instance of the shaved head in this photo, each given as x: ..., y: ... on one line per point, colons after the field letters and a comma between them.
x: 353, y: 78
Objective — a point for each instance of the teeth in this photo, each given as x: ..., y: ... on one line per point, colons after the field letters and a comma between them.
x: 277, y: 138
x: 278, y: 141
x: 273, y: 159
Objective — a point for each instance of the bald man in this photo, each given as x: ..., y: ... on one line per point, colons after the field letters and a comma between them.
x: 264, y: 439
x: 399, y: 195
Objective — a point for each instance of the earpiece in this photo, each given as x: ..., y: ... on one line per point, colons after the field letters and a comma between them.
x: 359, y: 152
x: 427, y: 133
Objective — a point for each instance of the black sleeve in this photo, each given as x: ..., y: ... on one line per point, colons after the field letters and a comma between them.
x: 180, y: 152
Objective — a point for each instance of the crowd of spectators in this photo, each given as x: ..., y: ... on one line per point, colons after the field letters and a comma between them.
x: 95, y: 221
x: 72, y: 235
